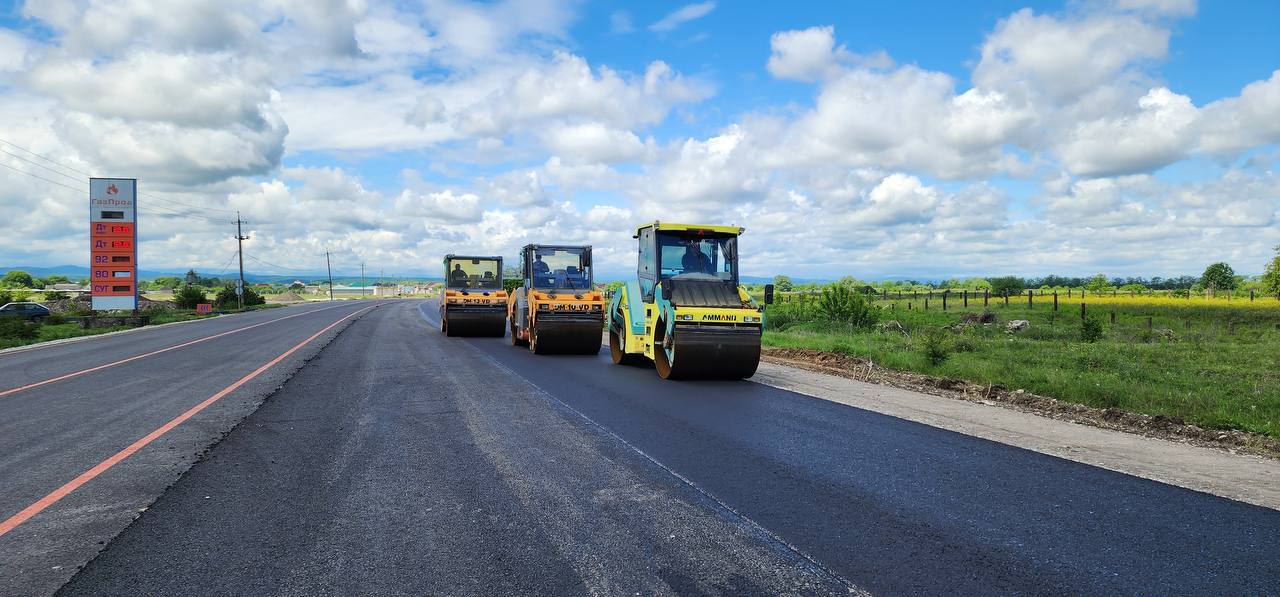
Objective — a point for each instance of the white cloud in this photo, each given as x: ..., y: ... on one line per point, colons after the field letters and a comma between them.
x: 682, y: 15
x: 1160, y: 133
x: 593, y: 142
x: 1063, y: 60
x: 811, y: 54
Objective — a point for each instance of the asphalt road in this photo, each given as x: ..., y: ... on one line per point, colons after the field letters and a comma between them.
x: 66, y: 410
x: 398, y: 461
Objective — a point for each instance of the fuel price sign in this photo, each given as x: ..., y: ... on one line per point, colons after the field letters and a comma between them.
x: 113, y: 243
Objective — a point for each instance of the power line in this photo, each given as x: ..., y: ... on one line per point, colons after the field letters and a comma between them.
x: 51, y: 181
x: 45, y: 158
x: 39, y: 165
x: 227, y: 264
x: 60, y: 164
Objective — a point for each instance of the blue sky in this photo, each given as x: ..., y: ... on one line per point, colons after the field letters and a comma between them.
x: 1132, y: 137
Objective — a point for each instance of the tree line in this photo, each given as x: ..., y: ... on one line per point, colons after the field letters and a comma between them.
x: 1217, y: 277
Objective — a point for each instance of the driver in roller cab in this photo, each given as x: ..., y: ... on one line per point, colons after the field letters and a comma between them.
x: 695, y: 261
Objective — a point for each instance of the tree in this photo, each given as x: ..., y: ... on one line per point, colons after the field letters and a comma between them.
x: 1097, y: 283
x: 226, y: 298
x: 17, y: 278
x: 187, y: 297
x: 1271, y: 276
x: 782, y: 283
x: 1010, y: 284
x: 1218, y: 276
x: 167, y: 281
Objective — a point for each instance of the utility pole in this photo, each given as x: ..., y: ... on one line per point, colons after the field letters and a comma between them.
x: 362, y: 287
x: 330, y: 268
x: 240, y: 238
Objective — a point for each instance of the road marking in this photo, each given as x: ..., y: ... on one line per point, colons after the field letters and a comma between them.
x: 153, y: 353
x: 43, y: 503
x: 794, y: 549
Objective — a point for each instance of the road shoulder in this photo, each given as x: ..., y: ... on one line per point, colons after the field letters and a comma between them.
x: 1251, y: 479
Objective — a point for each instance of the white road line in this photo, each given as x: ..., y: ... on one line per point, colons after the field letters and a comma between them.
x: 853, y: 589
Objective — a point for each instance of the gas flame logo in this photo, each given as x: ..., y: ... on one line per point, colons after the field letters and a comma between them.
x: 111, y: 189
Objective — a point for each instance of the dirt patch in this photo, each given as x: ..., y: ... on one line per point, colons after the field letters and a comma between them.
x: 1157, y: 426
x: 284, y: 297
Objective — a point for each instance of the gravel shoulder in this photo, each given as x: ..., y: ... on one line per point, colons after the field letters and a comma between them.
x: 1235, y: 465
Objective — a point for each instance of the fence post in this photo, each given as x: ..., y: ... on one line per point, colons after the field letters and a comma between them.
x: 1006, y: 297
x: 1149, y: 324
x: 944, y: 299
x: 926, y: 303
x: 1068, y: 292
x: 986, y: 297
x: 1081, y: 311
x: 1082, y: 292
x: 1113, y: 315
x: 1030, y: 293
x: 966, y: 299
x: 1251, y: 296
x: 1055, y: 300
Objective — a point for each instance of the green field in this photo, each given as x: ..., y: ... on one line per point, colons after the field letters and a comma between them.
x: 1212, y: 363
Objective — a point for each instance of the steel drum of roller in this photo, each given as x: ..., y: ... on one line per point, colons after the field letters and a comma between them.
x: 708, y: 352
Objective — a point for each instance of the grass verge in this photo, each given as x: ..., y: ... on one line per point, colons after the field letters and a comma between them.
x: 1214, y: 367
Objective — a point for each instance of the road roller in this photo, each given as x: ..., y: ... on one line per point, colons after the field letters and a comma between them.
x: 557, y: 309
x: 472, y: 300
x: 686, y: 311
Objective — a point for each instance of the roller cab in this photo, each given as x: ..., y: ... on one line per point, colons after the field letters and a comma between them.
x: 557, y: 308
x: 686, y: 311
x: 472, y: 300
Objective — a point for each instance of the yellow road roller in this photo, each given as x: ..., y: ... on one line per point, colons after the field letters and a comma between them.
x: 557, y: 309
x: 472, y: 300
x: 686, y: 311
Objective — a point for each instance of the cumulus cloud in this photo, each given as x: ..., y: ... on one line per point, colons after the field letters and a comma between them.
x: 811, y: 54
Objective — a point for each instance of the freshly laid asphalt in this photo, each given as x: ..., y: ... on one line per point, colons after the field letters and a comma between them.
x: 399, y: 461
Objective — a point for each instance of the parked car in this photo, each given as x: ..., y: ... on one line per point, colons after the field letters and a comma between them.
x: 34, y: 312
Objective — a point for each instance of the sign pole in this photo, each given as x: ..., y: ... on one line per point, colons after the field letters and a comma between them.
x: 240, y: 243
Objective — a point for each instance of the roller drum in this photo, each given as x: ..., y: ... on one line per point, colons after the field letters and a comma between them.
x: 568, y: 333
x: 709, y: 352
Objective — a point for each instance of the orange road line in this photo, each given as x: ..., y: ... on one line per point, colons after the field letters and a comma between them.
x: 43, y: 503
x: 152, y: 353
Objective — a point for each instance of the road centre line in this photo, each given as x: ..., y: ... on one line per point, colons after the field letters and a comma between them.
x: 154, y: 352
x: 45, y: 502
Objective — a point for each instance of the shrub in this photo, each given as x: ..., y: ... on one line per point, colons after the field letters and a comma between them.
x: 964, y: 344
x: 187, y: 297
x: 55, y: 296
x: 5, y: 297
x: 1090, y: 330
x: 934, y: 345
x: 780, y: 316
x: 226, y: 298
x: 54, y: 319
x: 12, y: 328
x: 839, y: 303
